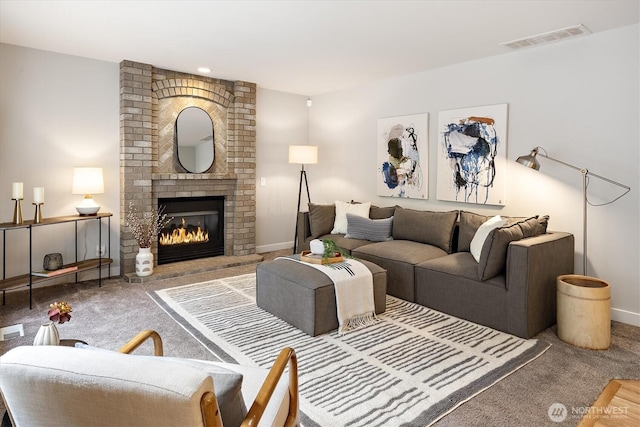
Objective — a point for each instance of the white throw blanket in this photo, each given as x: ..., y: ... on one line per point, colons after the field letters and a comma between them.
x: 353, y: 284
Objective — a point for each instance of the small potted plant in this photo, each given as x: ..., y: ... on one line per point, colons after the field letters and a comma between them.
x: 332, y: 250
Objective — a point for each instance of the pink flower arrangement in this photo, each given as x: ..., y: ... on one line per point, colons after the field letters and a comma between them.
x: 59, y: 312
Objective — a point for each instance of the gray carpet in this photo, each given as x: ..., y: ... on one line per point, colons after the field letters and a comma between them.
x: 107, y: 317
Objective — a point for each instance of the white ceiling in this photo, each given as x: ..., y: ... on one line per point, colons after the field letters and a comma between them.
x: 302, y: 47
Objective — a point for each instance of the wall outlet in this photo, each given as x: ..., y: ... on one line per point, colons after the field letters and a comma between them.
x: 100, y: 251
x: 12, y: 331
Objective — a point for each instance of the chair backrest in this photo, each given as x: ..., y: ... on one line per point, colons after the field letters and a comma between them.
x: 44, y: 385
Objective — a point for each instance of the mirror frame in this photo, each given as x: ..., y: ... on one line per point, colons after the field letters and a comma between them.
x: 177, y: 139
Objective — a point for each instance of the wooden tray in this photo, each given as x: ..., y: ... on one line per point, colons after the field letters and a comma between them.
x: 307, y: 256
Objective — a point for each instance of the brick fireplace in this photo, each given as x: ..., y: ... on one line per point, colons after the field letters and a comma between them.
x: 150, y: 101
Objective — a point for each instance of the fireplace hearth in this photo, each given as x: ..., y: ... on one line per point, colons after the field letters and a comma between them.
x: 196, y: 230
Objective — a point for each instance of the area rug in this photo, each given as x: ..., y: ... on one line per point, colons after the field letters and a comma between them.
x: 410, y: 368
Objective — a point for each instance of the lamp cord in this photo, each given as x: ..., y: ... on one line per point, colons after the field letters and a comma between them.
x: 586, y: 174
x: 627, y: 189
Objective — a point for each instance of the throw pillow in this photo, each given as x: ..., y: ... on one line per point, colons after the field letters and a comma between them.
x: 321, y: 219
x: 375, y: 230
x: 477, y: 242
x: 433, y: 228
x: 493, y: 257
x: 342, y: 209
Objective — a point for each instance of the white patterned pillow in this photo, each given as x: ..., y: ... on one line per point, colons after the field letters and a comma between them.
x: 481, y: 235
x: 374, y: 230
x: 342, y: 209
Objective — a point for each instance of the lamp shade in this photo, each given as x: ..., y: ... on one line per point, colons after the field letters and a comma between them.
x: 87, y: 181
x: 303, y: 154
x: 530, y: 160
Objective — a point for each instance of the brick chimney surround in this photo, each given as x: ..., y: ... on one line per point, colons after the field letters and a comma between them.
x: 150, y: 101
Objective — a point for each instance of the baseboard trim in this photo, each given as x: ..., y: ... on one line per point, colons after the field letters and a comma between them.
x: 274, y: 247
x: 624, y: 316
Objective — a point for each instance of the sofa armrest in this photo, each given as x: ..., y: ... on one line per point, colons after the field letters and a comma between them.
x: 532, y: 267
x: 303, y: 231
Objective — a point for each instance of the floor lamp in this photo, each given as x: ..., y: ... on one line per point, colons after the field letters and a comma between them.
x: 531, y: 162
x: 302, y: 155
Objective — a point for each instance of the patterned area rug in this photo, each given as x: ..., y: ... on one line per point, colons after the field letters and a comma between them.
x: 411, y: 368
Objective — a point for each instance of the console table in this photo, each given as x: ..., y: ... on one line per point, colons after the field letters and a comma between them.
x: 29, y: 279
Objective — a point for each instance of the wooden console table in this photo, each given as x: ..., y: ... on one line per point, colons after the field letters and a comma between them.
x: 29, y: 279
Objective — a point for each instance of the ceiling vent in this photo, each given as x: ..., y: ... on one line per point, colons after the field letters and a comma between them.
x: 550, y: 37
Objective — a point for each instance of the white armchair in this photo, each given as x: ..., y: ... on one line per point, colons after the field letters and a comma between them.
x: 53, y: 385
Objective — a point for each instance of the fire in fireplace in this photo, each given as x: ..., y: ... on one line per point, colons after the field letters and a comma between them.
x: 196, y: 230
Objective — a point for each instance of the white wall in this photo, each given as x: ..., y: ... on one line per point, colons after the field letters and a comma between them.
x: 57, y: 112
x: 282, y: 119
x: 578, y: 99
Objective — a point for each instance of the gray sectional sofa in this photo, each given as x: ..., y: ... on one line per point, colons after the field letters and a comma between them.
x: 511, y: 288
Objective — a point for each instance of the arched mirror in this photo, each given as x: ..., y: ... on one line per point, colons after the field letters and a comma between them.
x: 194, y: 139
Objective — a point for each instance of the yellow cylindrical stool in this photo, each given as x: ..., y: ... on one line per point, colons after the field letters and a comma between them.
x: 584, y: 316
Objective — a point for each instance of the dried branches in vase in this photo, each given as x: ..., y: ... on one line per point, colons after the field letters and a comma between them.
x: 146, y: 227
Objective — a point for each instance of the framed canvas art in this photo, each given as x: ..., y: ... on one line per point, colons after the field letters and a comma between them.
x: 472, y: 155
x: 402, y: 156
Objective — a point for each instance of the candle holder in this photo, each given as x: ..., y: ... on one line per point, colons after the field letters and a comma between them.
x: 37, y: 218
x: 17, y: 212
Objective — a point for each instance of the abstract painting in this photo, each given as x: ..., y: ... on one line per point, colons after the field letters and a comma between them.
x: 472, y: 155
x: 402, y: 156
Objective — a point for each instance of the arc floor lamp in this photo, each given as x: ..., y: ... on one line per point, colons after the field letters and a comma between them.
x: 302, y: 155
x: 531, y: 162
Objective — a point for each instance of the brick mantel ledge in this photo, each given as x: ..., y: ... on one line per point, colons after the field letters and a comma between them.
x: 200, y: 176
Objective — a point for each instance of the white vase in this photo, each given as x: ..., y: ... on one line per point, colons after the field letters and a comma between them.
x: 144, y: 262
x: 47, y: 335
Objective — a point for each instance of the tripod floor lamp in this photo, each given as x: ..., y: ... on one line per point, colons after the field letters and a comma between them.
x: 531, y: 162
x: 302, y: 155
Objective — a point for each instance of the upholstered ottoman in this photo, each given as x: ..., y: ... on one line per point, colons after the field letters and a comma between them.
x: 304, y: 297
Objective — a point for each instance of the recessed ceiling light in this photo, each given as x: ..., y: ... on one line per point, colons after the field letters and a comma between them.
x: 204, y: 69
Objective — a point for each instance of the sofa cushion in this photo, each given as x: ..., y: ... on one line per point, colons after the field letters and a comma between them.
x: 100, y: 386
x: 470, y: 222
x: 321, y: 219
x: 342, y: 209
x: 459, y: 264
x: 375, y: 230
x: 406, y: 251
x: 347, y: 244
x: 227, y: 384
x: 493, y: 257
x: 376, y: 212
x: 433, y: 228
x: 481, y: 235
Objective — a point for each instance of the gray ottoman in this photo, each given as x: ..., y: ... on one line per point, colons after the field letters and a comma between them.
x: 304, y: 297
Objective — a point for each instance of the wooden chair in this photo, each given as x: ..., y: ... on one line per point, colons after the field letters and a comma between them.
x: 80, y: 387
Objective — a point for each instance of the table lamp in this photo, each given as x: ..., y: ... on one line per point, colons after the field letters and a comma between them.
x: 87, y: 181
